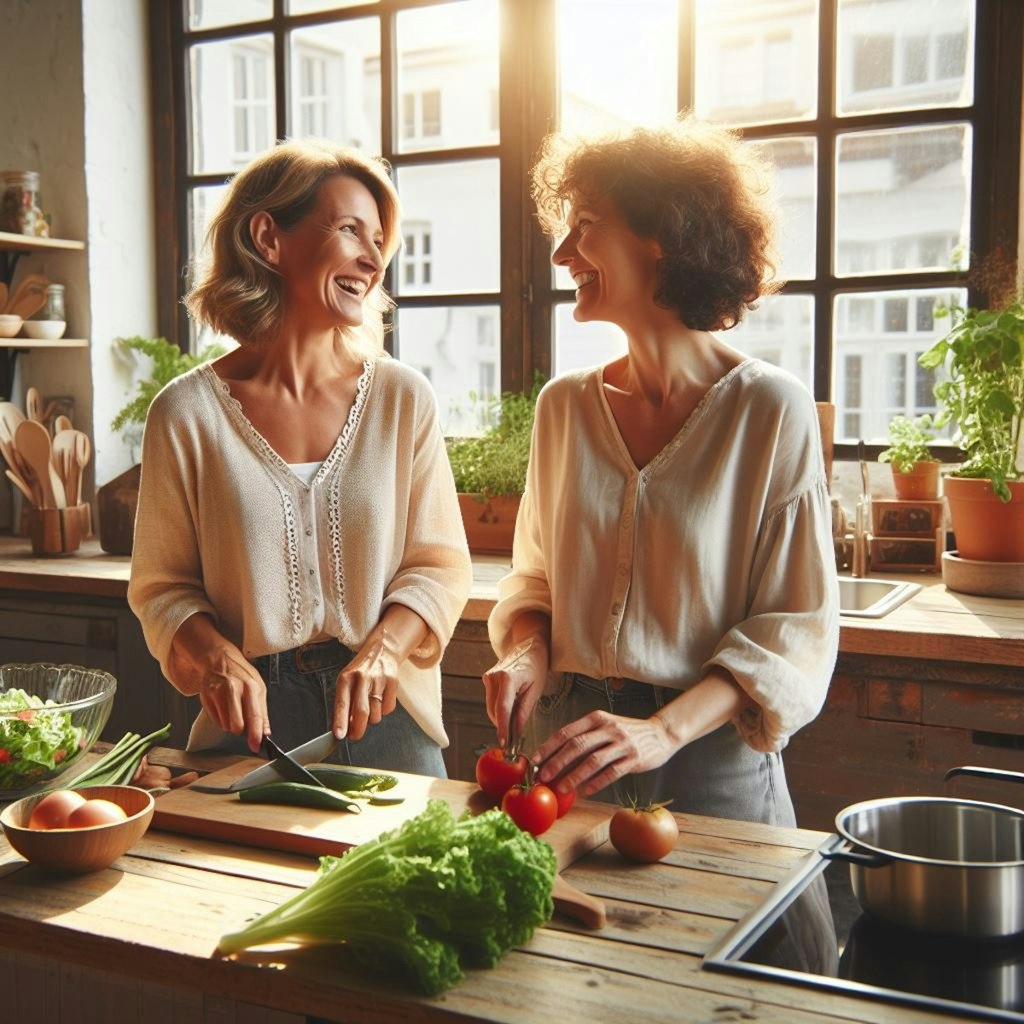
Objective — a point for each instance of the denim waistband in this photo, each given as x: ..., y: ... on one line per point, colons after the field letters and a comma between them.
x: 317, y: 656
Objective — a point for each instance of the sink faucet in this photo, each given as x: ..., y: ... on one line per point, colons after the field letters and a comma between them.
x: 863, y: 518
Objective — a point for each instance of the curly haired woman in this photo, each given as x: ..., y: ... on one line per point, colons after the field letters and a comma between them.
x: 672, y: 609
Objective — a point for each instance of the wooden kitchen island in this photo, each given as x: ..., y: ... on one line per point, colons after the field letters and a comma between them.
x: 136, y: 943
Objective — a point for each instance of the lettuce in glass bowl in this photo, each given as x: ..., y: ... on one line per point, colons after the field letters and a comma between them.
x: 49, y: 716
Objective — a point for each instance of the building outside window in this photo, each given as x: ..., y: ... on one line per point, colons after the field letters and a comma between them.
x: 876, y: 116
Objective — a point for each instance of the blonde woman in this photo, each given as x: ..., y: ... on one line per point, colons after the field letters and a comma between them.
x: 299, y: 560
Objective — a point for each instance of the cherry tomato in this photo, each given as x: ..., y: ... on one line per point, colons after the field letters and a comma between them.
x: 533, y: 808
x: 54, y: 809
x: 496, y: 774
x: 96, y: 812
x: 643, y: 834
x: 565, y: 801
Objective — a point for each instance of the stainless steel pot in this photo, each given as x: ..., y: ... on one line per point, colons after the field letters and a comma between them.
x: 938, y: 865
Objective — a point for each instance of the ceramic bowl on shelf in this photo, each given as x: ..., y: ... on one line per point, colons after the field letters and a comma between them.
x: 10, y: 324
x: 44, y: 330
x: 50, y: 715
x: 78, y: 850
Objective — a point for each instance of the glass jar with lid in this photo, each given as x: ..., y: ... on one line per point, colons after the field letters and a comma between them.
x: 53, y: 307
x: 20, y: 205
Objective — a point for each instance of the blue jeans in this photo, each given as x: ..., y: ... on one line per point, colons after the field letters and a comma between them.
x: 717, y: 775
x: 300, y: 701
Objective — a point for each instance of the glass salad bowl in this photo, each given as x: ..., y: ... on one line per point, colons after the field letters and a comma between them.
x: 49, y: 716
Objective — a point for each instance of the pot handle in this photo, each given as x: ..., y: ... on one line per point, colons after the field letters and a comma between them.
x: 1000, y: 774
x: 851, y: 856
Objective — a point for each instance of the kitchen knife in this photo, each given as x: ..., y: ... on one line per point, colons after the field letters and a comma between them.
x: 284, y: 768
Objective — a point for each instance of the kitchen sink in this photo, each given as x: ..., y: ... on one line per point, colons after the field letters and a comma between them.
x: 871, y: 599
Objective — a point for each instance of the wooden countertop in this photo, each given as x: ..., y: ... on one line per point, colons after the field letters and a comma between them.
x: 936, y: 625
x: 147, y: 928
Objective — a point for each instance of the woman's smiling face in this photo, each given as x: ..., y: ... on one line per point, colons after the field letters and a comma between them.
x: 615, y: 270
x: 331, y: 260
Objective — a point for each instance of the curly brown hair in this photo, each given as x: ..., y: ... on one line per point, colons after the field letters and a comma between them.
x: 235, y: 290
x: 692, y: 186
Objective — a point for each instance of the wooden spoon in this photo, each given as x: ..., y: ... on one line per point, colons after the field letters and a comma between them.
x: 10, y: 417
x: 83, y: 452
x: 62, y: 423
x: 32, y: 441
x: 3, y: 296
x: 64, y: 461
x: 21, y: 485
x: 30, y: 295
x: 34, y: 405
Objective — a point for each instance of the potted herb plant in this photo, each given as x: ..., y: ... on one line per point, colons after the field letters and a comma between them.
x: 117, y: 499
x: 915, y: 471
x: 490, y: 470
x: 983, y: 394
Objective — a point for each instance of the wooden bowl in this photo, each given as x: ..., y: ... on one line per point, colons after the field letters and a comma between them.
x: 75, y: 851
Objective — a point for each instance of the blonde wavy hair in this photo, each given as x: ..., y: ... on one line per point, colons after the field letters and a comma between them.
x: 692, y: 186
x: 234, y: 290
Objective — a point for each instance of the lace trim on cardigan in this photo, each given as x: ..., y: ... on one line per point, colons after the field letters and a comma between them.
x: 292, y: 557
x: 334, y: 490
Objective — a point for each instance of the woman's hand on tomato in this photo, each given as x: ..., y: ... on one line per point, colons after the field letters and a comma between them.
x: 596, y: 750
x: 643, y: 834
x: 496, y: 773
x: 533, y: 808
x: 514, y: 685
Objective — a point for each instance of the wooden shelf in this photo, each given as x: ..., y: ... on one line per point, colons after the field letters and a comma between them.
x: 27, y: 343
x: 12, y: 242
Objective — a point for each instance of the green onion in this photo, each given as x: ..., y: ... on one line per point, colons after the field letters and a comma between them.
x: 117, y: 767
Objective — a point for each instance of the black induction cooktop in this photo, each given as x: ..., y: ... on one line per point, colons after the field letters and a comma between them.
x: 806, y: 933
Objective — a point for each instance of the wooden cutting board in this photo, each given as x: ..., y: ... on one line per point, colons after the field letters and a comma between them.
x: 317, y: 832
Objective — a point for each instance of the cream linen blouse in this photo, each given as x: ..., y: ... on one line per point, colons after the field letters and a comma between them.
x: 224, y: 526
x: 717, y: 553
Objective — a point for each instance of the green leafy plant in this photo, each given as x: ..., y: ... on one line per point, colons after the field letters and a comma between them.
x: 908, y: 442
x: 983, y: 355
x: 168, y: 362
x: 494, y: 464
x: 425, y: 900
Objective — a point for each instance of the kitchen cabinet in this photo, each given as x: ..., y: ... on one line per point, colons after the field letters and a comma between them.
x: 12, y: 248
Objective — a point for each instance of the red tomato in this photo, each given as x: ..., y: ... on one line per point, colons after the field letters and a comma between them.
x: 533, y: 808
x: 54, y: 809
x: 496, y: 774
x: 565, y: 801
x: 643, y: 834
x: 96, y: 812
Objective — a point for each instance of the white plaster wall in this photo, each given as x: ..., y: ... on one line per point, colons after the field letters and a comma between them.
x: 119, y: 191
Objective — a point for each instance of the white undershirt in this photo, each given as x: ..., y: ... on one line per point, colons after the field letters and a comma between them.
x: 305, y: 471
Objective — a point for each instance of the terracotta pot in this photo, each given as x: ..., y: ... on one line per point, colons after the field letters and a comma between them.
x: 987, y: 529
x: 920, y: 484
x: 116, y: 503
x: 490, y: 523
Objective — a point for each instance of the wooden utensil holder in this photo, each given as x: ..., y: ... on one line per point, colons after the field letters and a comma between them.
x: 58, y: 531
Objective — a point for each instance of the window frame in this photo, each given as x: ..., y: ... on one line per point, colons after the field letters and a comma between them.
x: 527, y: 99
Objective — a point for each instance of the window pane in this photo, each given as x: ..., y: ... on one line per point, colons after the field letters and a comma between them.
x: 779, y: 331
x: 904, y: 54
x: 616, y: 71
x: 311, y: 6
x: 756, y: 61
x: 579, y: 345
x: 878, y: 338
x: 454, y: 209
x: 903, y: 200
x: 447, y: 71
x: 231, y: 102
x: 335, y: 86
x: 212, y: 13
x: 456, y: 347
x: 795, y: 185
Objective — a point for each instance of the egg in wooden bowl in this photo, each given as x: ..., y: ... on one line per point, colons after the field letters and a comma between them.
x: 69, y: 836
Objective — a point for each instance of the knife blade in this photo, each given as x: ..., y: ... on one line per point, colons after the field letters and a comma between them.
x: 284, y: 768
